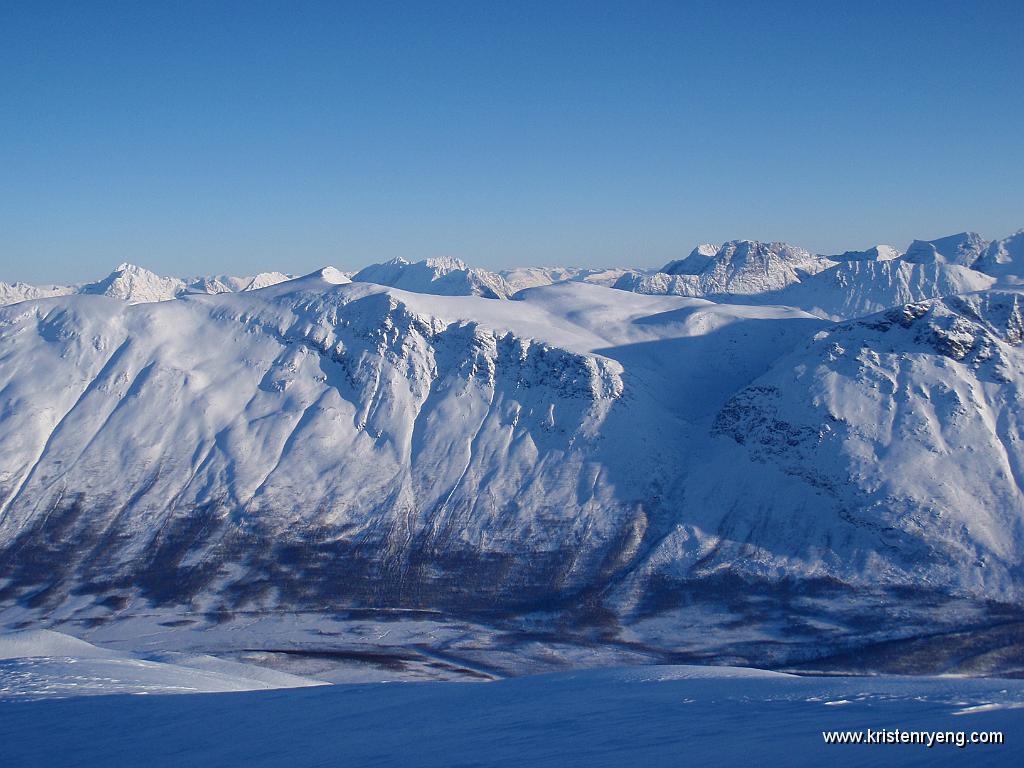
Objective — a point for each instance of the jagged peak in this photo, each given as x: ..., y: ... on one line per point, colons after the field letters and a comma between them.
x: 446, y: 264
x: 761, y: 247
x: 126, y: 267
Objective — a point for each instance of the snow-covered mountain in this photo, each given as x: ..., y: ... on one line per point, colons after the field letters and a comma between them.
x: 672, y: 472
x: 265, y: 280
x: 737, y: 268
x: 874, y: 253
x: 895, y: 440
x: 846, y: 286
x: 442, y: 276
x: 1004, y: 259
x: 535, y: 277
x: 698, y: 260
x: 138, y: 285
x: 857, y: 288
x: 451, y: 277
x: 12, y: 293
x: 962, y: 249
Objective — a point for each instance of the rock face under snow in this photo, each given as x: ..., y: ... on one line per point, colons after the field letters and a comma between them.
x: 851, y: 285
x: 907, y: 427
x: 875, y: 253
x: 738, y: 268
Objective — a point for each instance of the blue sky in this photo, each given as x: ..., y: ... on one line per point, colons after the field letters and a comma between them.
x: 216, y: 137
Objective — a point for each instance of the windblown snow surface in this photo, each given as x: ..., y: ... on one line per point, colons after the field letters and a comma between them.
x: 652, y: 716
x: 757, y: 456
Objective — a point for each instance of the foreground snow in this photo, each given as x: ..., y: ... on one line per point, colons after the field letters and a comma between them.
x: 62, y: 703
x: 651, y: 716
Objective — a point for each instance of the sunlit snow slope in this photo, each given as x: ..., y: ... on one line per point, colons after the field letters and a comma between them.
x: 747, y: 482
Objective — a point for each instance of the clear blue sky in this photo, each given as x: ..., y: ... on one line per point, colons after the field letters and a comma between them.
x: 234, y: 137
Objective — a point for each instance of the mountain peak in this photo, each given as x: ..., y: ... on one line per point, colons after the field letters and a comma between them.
x: 693, y: 264
x: 136, y: 285
x: 333, y: 275
x: 963, y: 248
x: 1004, y: 259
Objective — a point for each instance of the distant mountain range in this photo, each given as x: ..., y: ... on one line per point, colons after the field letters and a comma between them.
x: 756, y: 454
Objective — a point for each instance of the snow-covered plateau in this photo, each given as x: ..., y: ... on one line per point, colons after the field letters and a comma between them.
x: 756, y: 456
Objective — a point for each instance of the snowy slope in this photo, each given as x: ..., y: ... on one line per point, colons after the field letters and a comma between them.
x: 46, y: 643
x: 695, y: 263
x: 889, y: 450
x: 265, y: 280
x: 38, y: 664
x: 659, y: 716
x: 862, y: 287
x: 418, y: 443
x: 534, y: 277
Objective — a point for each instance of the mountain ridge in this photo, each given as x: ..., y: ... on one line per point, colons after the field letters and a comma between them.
x: 728, y: 475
